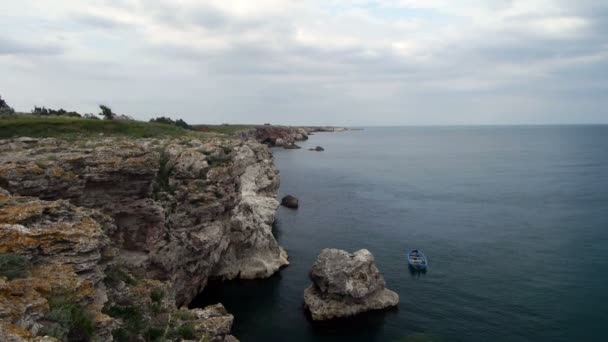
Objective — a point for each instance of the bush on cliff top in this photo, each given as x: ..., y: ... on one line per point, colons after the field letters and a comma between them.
x: 5, y: 109
x: 168, y: 121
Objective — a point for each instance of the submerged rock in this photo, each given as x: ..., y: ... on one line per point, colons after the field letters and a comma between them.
x: 291, y: 147
x: 346, y: 284
x: 290, y: 201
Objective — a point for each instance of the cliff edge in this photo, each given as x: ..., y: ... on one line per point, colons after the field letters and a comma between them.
x: 125, y: 231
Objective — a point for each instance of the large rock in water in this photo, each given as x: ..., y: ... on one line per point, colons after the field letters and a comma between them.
x: 346, y: 284
x: 290, y: 202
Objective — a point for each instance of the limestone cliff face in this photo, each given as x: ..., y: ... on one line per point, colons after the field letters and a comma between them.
x: 253, y: 252
x: 67, y: 249
x: 172, y: 211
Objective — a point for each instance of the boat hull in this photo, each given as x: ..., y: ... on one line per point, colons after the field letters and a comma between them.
x: 417, y: 261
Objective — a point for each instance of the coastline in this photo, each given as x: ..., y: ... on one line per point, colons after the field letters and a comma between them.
x: 167, y: 215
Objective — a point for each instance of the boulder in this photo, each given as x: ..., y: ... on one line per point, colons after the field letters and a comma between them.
x: 291, y: 147
x: 279, y: 142
x: 345, y: 284
x: 290, y: 202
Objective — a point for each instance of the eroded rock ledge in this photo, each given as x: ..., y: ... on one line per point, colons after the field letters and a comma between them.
x: 122, y: 221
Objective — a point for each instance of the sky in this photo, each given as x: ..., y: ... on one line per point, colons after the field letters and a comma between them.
x: 314, y: 62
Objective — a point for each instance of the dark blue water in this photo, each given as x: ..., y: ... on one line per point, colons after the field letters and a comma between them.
x: 514, y: 221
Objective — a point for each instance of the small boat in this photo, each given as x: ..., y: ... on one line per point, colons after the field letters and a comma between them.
x: 417, y: 260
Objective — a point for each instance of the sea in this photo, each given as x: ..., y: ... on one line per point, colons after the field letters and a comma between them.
x: 513, y: 220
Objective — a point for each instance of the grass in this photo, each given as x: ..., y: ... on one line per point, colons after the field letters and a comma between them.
x: 41, y: 127
x: 13, y: 266
x: 222, y: 129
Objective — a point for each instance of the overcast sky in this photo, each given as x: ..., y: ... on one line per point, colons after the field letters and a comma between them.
x: 384, y: 62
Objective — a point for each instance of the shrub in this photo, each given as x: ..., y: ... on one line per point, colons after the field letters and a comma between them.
x: 5, y: 109
x: 71, y: 322
x: 60, y: 112
x: 165, y: 170
x: 181, y: 123
x: 157, y: 295
x: 168, y: 121
x: 13, y: 266
x: 133, y: 322
x: 186, y: 331
x: 91, y: 116
x: 154, y: 334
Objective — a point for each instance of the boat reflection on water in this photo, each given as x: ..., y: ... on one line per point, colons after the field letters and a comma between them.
x: 416, y: 273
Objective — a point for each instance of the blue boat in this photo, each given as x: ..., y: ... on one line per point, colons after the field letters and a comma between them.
x: 417, y: 260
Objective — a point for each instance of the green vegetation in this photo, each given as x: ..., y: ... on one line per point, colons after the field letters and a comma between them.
x: 41, y: 164
x: 71, y: 322
x: 5, y: 109
x: 60, y: 112
x: 106, y: 112
x: 155, y: 334
x: 67, y: 127
x: 133, y: 322
x: 13, y: 266
x: 168, y: 121
x: 157, y: 296
x: 186, y: 331
x: 222, y: 129
x: 164, y: 172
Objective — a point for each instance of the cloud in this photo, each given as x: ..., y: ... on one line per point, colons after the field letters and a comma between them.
x: 332, y: 61
x: 13, y: 47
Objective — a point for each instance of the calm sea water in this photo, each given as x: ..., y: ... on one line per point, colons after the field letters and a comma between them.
x: 514, y: 221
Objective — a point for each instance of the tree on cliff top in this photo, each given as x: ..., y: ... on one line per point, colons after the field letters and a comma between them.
x: 106, y: 112
x: 5, y: 109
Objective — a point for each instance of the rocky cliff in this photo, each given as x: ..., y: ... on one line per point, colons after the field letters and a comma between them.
x: 277, y: 136
x: 121, y: 224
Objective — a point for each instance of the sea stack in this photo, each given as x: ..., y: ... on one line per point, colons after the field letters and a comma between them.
x: 345, y: 284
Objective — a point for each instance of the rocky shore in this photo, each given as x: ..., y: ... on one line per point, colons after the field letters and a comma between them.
x: 111, y: 238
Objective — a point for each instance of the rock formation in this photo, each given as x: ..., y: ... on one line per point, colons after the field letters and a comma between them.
x: 148, y: 214
x: 290, y: 201
x: 277, y: 136
x: 346, y: 284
